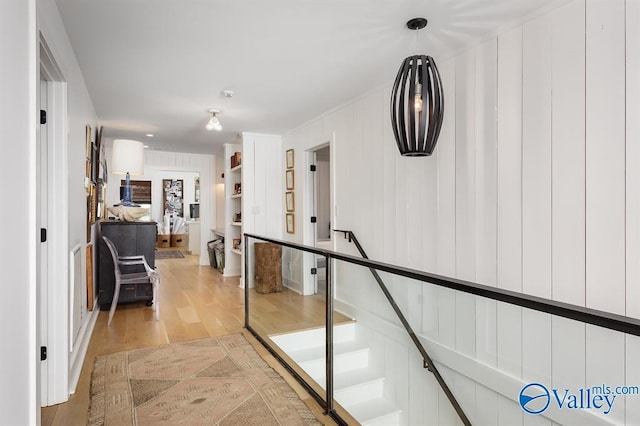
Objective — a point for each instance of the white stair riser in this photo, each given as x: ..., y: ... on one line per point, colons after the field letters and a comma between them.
x: 388, y: 420
x: 313, y: 338
x: 364, y: 392
x: 360, y: 393
x: 341, y: 363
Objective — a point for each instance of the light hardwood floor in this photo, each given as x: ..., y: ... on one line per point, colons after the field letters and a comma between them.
x: 195, y: 302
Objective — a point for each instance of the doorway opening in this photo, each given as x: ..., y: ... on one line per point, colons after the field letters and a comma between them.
x: 320, y: 203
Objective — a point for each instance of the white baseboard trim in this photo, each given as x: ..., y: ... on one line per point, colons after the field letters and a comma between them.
x: 77, y: 357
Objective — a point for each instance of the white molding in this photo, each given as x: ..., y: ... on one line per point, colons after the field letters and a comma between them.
x: 58, y: 246
x: 80, y: 352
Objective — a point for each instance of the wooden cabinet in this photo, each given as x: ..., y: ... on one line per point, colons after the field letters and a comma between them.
x: 130, y: 238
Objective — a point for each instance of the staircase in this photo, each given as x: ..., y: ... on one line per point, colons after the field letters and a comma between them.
x: 359, y: 383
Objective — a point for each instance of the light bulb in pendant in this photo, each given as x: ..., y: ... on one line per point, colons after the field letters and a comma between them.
x: 417, y: 99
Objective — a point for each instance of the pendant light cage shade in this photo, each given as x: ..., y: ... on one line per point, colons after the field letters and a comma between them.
x: 417, y: 106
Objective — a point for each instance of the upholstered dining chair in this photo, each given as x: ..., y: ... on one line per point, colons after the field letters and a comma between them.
x: 149, y: 275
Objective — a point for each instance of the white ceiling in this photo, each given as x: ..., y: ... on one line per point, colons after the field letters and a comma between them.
x: 158, y: 66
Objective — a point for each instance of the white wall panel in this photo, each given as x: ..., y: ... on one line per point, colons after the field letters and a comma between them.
x: 465, y: 200
x: 509, y: 213
x: 605, y: 365
x: 536, y: 346
x: 486, y: 73
x: 447, y: 204
x: 633, y: 157
x: 465, y: 167
x: 486, y: 89
x: 568, y: 154
x: 509, y: 339
x: 377, y: 142
x: 486, y: 406
x: 536, y: 157
x: 509, y: 412
x: 447, y: 174
x: 536, y: 196
x: 466, y: 323
x: 257, y: 218
x: 509, y: 207
x: 605, y: 155
x: 388, y: 170
x: 632, y: 378
x: 423, y: 397
x: 568, y: 355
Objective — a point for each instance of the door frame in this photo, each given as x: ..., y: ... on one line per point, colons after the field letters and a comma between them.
x: 309, y: 232
x: 56, y: 336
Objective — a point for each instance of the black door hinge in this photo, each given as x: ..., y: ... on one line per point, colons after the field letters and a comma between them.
x: 314, y: 271
x: 43, y: 353
x: 314, y: 219
x: 312, y: 168
x: 43, y: 235
x: 43, y: 116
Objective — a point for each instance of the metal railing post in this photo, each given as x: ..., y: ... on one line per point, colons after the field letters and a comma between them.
x: 329, y: 336
x: 246, y: 284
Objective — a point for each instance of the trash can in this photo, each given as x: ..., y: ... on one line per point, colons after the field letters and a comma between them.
x: 212, y: 254
x: 218, y: 249
x: 216, y: 254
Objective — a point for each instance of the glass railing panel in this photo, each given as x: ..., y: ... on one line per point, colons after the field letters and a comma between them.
x: 378, y: 372
x: 489, y: 353
x: 503, y: 363
x: 285, y: 307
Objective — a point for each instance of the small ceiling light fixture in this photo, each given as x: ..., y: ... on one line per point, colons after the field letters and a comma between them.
x: 417, y: 102
x: 150, y: 135
x: 214, y: 123
x: 228, y: 93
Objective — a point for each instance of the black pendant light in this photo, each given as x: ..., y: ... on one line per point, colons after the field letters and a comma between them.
x: 417, y: 103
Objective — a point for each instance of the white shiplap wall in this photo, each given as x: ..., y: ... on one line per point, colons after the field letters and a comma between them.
x: 533, y: 187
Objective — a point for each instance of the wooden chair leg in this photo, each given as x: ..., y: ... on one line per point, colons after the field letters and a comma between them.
x: 114, y: 302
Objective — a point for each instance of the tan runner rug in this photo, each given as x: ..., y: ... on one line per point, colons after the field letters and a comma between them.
x: 215, y: 381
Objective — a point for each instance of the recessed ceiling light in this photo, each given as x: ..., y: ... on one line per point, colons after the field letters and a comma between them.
x: 228, y: 93
x: 150, y: 135
x: 146, y: 146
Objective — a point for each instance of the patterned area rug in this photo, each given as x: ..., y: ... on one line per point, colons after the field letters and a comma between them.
x: 169, y: 254
x: 216, y: 381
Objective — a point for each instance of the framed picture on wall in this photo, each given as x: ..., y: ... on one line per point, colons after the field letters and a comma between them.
x: 290, y: 159
x: 290, y: 201
x: 290, y: 179
x: 291, y: 223
x: 87, y: 141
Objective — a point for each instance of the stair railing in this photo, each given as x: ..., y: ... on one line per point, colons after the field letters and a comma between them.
x: 585, y: 315
x: 427, y: 362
